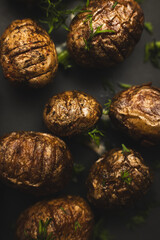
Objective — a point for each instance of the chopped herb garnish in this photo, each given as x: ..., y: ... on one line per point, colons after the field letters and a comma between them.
x: 64, y: 59
x: 42, y: 231
x: 56, y: 14
x: 124, y: 85
x: 125, y: 149
x: 88, y: 42
x: 87, y: 3
x: 107, y: 107
x: 114, y: 5
x: 63, y: 210
x: 149, y: 27
x: 126, y: 177
x: 96, y: 135
x: 77, y: 225
x: 152, y: 53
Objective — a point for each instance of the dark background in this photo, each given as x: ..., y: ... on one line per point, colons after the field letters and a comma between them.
x: 21, y: 109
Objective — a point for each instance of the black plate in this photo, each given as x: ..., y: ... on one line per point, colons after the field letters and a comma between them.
x: 21, y: 109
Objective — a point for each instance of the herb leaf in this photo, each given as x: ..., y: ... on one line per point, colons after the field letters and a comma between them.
x: 56, y: 14
x: 88, y: 42
x: 100, y: 231
x: 42, y: 231
x: 152, y: 53
x: 114, y: 5
x: 64, y: 59
x: 77, y: 225
x: 96, y: 135
x: 124, y: 85
x: 149, y: 27
x: 126, y: 177
x: 125, y: 149
x: 78, y: 168
x: 107, y: 107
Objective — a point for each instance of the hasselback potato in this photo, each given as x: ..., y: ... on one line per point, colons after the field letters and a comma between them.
x: 136, y: 111
x: 71, y: 112
x: 117, y: 179
x: 70, y: 219
x: 105, y: 32
x: 27, y: 54
x: 36, y: 162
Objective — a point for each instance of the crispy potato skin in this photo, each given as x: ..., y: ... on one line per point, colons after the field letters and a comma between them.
x: 36, y: 162
x: 64, y: 212
x: 126, y: 19
x: 136, y: 111
x: 71, y: 112
x: 27, y: 54
x: 106, y: 187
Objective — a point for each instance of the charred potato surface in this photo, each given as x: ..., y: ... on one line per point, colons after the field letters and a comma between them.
x: 36, y: 162
x: 71, y: 112
x: 105, y: 49
x: 71, y: 219
x: 136, y: 111
x: 118, y: 179
x: 27, y: 54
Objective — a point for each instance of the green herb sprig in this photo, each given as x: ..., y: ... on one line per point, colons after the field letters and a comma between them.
x: 42, y: 231
x: 114, y: 5
x: 124, y: 85
x: 56, y: 14
x: 88, y: 42
x: 149, y: 27
x: 125, y: 149
x: 77, y: 225
x: 126, y: 177
x: 152, y: 53
x: 96, y: 135
x: 107, y: 107
x: 64, y: 59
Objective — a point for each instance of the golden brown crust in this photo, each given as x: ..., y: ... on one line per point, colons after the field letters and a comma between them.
x: 107, y: 49
x: 37, y: 162
x: 107, y: 188
x: 136, y: 111
x: 27, y: 54
x: 71, y: 112
x: 64, y: 212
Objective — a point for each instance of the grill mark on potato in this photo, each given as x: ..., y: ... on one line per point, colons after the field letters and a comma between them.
x: 28, y: 50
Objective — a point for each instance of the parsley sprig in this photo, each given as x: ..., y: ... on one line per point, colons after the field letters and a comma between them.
x: 125, y: 150
x: 77, y: 225
x: 149, y: 27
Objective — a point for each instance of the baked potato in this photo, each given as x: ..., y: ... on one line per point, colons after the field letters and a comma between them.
x: 117, y: 179
x: 36, y: 162
x: 27, y: 54
x: 105, y: 32
x: 71, y: 112
x: 70, y: 219
x: 136, y: 111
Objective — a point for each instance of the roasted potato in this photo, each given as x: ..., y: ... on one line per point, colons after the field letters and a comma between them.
x: 27, y: 54
x: 90, y: 46
x: 118, y: 178
x: 36, y: 162
x: 71, y: 112
x: 136, y: 111
x: 70, y: 219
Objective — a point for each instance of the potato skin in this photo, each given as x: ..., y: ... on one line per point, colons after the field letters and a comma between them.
x: 126, y: 19
x: 107, y: 188
x: 71, y: 112
x: 36, y: 162
x: 27, y: 54
x: 64, y: 212
x: 136, y: 111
